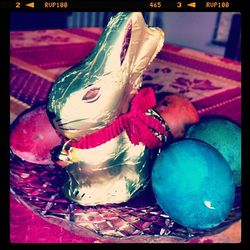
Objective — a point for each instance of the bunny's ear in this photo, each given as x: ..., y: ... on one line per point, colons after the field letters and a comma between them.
x: 145, y: 43
x: 129, y: 43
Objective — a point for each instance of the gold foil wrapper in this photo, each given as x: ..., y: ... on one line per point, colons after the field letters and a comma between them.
x: 91, y: 95
x: 111, y: 173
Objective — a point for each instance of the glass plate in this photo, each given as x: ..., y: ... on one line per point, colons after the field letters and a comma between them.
x: 139, y: 220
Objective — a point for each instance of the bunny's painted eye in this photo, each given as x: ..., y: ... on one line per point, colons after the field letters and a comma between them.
x: 91, y: 94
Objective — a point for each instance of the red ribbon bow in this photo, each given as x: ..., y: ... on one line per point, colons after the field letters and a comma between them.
x: 137, y: 124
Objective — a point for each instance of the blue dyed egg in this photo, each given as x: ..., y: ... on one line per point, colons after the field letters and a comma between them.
x: 225, y: 136
x: 193, y: 183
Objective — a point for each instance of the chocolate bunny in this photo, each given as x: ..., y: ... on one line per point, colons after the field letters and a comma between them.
x: 109, y: 128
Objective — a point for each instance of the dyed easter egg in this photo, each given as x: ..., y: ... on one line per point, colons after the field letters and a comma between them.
x: 32, y: 136
x: 178, y: 112
x: 225, y: 136
x: 193, y: 184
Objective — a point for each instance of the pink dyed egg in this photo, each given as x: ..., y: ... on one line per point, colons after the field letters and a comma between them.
x: 33, y: 137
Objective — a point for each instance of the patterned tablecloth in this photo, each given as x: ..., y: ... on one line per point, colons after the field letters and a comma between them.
x: 212, y: 83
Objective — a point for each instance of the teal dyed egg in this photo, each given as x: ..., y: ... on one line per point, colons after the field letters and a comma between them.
x: 225, y: 136
x: 193, y: 184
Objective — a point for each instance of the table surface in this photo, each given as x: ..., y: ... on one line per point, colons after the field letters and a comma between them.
x: 212, y: 84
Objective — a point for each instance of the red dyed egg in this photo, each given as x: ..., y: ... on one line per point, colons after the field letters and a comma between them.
x: 178, y: 112
x: 33, y: 137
